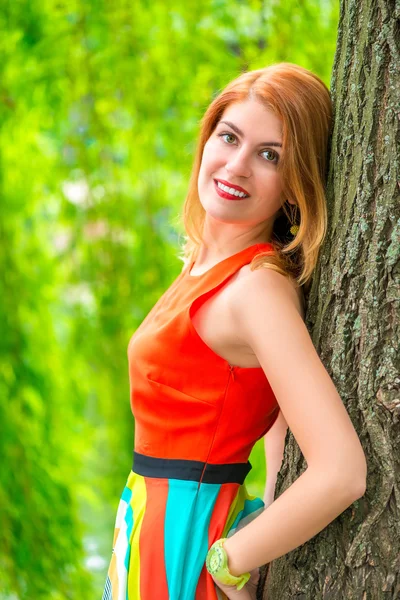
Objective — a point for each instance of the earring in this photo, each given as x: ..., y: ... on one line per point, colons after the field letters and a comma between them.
x: 294, y: 228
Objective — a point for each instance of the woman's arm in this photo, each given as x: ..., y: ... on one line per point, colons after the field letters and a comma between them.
x: 268, y: 320
x: 274, y: 443
x: 308, y: 506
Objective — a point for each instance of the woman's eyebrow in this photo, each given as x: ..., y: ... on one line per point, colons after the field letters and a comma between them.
x: 235, y: 128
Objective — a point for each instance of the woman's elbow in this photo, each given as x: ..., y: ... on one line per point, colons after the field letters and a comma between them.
x: 358, y: 477
x: 360, y: 489
x: 348, y: 477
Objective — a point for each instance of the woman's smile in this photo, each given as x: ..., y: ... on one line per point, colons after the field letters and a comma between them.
x: 232, y: 194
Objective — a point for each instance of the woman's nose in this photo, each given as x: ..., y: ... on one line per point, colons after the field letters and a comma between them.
x: 239, y: 165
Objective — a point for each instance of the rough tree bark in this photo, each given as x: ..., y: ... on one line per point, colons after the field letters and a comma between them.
x: 353, y: 316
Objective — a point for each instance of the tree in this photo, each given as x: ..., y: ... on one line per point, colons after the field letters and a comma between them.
x: 353, y: 317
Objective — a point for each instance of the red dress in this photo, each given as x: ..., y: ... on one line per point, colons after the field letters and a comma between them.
x: 197, y: 419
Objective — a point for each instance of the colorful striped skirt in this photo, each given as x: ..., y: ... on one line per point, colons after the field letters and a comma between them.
x: 169, y: 514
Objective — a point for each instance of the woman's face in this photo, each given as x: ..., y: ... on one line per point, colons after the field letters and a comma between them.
x: 243, y: 151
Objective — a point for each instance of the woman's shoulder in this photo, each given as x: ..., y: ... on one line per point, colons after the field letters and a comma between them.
x: 264, y: 282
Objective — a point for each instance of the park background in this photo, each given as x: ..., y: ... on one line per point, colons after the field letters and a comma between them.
x: 100, y: 109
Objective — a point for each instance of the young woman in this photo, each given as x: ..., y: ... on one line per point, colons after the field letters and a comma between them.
x: 224, y: 358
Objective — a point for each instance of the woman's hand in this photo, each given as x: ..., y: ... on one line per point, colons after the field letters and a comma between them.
x: 248, y: 592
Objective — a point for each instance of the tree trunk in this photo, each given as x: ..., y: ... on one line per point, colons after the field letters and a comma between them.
x: 353, y: 316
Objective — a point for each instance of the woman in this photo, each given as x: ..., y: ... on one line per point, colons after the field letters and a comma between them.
x: 225, y: 354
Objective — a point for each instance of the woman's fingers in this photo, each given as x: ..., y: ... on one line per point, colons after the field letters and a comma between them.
x: 248, y: 592
x: 252, y: 584
x: 232, y: 593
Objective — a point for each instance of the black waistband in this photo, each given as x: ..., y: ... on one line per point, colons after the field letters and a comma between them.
x: 189, y: 470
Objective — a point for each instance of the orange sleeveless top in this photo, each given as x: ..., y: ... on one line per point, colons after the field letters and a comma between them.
x: 189, y: 402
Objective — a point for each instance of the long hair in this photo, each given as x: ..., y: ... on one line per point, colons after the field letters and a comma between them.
x: 303, y: 103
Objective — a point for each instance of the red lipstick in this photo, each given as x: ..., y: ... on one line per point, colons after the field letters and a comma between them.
x: 232, y: 185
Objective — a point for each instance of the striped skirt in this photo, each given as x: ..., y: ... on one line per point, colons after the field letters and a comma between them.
x: 169, y: 514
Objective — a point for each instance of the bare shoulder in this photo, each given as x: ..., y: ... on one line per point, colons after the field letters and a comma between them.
x: 265, y: 300
x: 265, y: 280
x: 265, y: 310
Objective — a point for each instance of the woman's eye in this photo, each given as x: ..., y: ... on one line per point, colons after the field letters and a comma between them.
x: 226, y: 135
x: 275, y: 155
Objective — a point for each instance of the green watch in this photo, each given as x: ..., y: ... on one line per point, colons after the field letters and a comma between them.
x: 217, y: 566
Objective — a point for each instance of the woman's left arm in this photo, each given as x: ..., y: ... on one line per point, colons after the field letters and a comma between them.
x: 268, y: 320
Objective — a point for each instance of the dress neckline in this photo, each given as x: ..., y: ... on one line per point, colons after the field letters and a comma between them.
x: 225, y: 260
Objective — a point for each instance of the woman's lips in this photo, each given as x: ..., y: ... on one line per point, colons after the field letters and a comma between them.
x: 233, y: 185
x: 225, y: 195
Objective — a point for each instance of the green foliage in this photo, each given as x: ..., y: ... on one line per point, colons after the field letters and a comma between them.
x: 100, y: 106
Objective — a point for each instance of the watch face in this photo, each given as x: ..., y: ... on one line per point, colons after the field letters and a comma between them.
x: 215, y: 560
